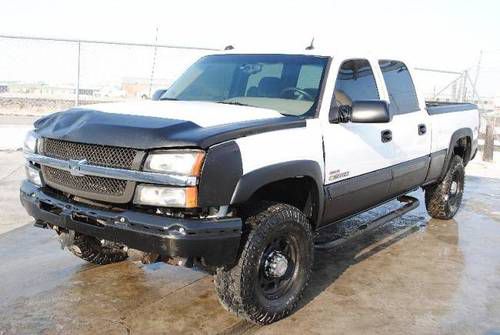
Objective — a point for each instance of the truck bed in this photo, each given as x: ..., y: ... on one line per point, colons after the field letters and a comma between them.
x: 439, y: 107
x: 444, y: 124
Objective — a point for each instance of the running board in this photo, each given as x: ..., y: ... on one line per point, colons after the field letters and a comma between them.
x: 410, y: 204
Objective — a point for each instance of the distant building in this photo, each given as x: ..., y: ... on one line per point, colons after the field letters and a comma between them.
x: 140, y: 87
x: 87, y: 91
x: 46, y: 90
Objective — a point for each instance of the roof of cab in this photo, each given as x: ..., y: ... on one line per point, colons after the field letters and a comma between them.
x: 316, y: 51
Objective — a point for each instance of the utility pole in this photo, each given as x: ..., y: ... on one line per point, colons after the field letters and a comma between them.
x: 478, y: 69
x: 77, y: 91
x: 464, y: 86
x: 154, y: 64
x: 489, y: 140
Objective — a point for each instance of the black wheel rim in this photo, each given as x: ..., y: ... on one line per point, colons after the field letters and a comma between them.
x: 275, y: 282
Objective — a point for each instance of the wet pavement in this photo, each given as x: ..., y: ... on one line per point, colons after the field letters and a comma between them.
x: 415, y: 275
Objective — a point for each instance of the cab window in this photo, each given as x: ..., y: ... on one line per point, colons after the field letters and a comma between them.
x: 355, y: 81
x: 402, y: 94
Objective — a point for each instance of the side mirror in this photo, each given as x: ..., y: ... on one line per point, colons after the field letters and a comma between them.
x: 370, y: 111
x: 157, y: 94
x: 362, y: 111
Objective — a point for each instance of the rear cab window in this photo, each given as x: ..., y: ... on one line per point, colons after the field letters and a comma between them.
x: 402, y: 94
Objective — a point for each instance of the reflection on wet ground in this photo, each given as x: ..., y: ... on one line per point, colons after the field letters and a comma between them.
x: 414, y: 275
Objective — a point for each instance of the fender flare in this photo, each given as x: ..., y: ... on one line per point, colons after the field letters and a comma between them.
x: 251, y: 182
x: 458, y: 134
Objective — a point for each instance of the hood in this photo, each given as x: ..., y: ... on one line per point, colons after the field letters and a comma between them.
x: 161, y: 124
x: 203, y: 114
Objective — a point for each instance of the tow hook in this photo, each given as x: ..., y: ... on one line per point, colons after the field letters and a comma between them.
x: 67, y: 239
x: 40, y: 224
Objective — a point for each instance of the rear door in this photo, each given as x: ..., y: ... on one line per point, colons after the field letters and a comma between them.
x: 357, y: 158
x: 411, y: 129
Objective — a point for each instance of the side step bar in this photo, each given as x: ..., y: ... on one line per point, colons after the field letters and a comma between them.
x: 410, y: 204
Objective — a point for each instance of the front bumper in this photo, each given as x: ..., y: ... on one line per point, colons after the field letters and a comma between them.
x: 215, y: 240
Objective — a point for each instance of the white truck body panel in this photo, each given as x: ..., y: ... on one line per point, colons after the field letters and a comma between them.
x: 267, y: 149
x: 444, y: 125
x: 354, y: 149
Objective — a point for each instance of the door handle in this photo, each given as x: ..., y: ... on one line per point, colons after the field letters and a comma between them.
x: 386, y: 136
x: 422, y: 129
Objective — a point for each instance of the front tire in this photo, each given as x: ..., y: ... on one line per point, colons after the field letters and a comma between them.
x: 274, y: 266
x: 97, y: 252
x: 444, y: 199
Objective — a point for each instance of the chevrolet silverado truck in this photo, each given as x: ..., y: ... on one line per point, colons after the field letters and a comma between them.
x: 242, y: 162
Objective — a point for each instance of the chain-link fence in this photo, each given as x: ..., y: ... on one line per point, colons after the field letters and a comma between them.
x: 479, y: 84
x: 41, y: 75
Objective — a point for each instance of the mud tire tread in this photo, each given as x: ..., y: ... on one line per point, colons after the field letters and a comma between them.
x: 436, y: 196
x: 90, y: 249
x: 234, y: 286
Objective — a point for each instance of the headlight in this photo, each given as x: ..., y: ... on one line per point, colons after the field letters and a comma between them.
x: 30, y: 142
x: 33, y: 175
x: 185, y: 197
x: 185, y: 162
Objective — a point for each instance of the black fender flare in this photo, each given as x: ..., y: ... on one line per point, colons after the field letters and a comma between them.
x: 251, y: 182
x: 457, y: 135
x: 220, y: 173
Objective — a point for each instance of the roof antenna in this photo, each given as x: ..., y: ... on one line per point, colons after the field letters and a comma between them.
x: 311, y: 46
x: 229, y: 47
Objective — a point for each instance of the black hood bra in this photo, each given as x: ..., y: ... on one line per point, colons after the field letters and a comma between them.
x: 147, y: 132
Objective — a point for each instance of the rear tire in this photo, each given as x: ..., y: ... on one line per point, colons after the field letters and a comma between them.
x: 94, y: 251
x: 444, y: 199
x: 274, y: 266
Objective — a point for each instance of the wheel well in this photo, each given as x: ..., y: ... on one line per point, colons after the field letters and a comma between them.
x: 462, y: 148
x: 301, y: 192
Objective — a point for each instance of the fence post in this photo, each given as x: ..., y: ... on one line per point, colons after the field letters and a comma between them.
x: 77, y: 92
x: 489, y: 140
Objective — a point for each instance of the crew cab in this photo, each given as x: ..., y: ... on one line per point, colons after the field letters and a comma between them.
x: 241, y: 162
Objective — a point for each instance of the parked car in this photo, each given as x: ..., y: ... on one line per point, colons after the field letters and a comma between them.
x: 241, y: 162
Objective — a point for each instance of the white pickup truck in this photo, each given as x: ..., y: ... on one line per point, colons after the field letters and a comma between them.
x: 240, y: 164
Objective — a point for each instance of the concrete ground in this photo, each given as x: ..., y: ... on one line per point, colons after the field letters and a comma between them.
x: 415, y: 275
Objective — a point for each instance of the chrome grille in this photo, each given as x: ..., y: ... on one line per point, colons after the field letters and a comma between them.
x: 101, y: 155
x: 92, y: 187
x: 88, y: 184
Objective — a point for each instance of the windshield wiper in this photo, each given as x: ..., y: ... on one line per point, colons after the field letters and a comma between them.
x: 173, y: 99
x: 236, y: 103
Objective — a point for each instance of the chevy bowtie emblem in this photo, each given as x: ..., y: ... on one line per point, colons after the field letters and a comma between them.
x: 74, y: 167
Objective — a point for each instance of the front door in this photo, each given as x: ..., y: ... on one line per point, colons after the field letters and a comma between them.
x: 358, y: 156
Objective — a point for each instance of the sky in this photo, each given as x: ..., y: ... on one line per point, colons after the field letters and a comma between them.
x: 441, y: 34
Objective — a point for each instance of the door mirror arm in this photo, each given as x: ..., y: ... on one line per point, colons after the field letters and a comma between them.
x: 340, y: 114
x: 345, y: 113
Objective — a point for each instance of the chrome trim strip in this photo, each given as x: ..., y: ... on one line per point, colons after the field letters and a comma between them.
x: 82, y: 168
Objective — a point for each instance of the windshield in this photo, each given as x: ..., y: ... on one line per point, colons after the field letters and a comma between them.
x: 289, y: 84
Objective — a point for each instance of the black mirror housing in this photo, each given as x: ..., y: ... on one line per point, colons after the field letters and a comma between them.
x: 370, y: 111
